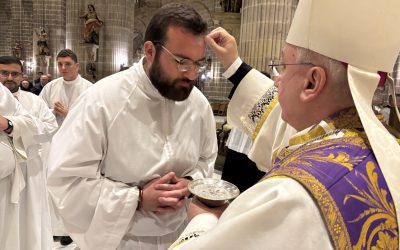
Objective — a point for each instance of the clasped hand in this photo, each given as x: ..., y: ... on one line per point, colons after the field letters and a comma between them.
x: 60, y: 109
x: 165, y: 194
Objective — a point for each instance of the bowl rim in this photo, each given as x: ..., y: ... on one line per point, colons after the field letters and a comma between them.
x: 232, y: 196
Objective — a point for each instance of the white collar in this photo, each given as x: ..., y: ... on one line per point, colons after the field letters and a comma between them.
x: 77, y: 79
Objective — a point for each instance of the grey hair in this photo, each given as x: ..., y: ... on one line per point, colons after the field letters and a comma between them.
x: 335, y: 70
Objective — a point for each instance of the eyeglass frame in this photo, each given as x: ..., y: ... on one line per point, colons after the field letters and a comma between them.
x: 14, y: 74
x: 278, y: 63
x: 200, y: 66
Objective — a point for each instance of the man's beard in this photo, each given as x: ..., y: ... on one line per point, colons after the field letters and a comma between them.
x: 11, y: 85
x: 170, y: 89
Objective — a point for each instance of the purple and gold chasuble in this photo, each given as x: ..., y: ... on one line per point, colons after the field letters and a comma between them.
x: 344, y: 178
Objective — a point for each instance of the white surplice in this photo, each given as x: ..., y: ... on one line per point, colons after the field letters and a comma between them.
x: 120, y: 134
x: 20, y: 202
x: 63, y: 91
x: 36, y: 196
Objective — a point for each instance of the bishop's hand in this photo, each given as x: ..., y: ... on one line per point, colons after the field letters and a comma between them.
x: 223, y: 45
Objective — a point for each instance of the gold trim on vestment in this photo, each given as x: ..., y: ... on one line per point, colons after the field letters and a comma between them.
x: 264, y: 116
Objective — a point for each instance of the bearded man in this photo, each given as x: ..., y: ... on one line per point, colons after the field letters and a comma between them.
x: 120, y: 164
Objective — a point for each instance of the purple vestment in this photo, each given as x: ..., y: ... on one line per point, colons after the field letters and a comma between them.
x: 349, y: 188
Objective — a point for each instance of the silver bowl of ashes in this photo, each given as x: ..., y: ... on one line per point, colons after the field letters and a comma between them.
x: 213, y: 192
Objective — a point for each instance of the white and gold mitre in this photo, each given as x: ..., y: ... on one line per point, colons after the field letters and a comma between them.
x: 364, y: 34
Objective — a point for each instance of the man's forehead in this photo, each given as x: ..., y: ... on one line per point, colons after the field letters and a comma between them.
x: 173, y: 31
x: 13, y: 66
x: 65, y: 60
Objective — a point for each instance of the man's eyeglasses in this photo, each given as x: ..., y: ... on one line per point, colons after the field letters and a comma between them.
x: 277, y: 66
x: 5, y: 73
x: 185, y: 64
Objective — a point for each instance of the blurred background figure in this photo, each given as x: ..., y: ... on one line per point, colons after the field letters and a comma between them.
x: 44, y: 79
x: 38, y: 75
x: 26, y: 86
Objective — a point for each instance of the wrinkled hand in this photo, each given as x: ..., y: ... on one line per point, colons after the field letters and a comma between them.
x: 223, y: 45
x: 60, y: 109
x: 196, y: 207
x: 163, y: 195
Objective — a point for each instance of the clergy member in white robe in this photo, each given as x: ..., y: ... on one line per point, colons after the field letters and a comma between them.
x: 65, y: 92
x: 18, y: 151
x: 98, y: 199
x: 34, y: 208
x: 62, y: 92
x: 128, y: 132
x: 59, y: 95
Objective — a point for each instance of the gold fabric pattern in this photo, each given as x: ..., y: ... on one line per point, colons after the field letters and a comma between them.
x: 378, y: 219
x: 313, y: 133
x: 315, y: 152
x: 347, y: 118
x: 386, y: 242
x: 332, y: 216
x: 380, y: 208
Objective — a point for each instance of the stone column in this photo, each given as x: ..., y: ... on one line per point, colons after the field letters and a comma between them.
x: 5, y: 28
x: 16, y: 30
x: 118, y: 36
x: 264, y: 27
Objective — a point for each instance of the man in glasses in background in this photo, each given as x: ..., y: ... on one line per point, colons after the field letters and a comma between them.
x: 24, y: 210
x: 120, y: 165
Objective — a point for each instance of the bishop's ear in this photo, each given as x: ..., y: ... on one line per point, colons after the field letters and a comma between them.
x: 316, y: 80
